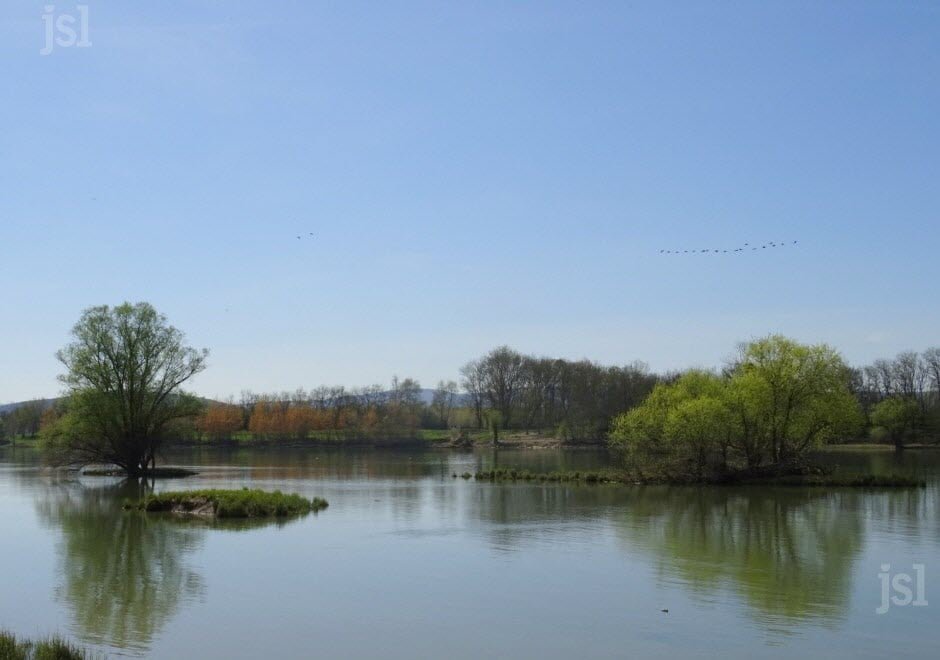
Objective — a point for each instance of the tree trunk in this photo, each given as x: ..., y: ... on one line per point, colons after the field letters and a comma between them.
x: 898, y: 442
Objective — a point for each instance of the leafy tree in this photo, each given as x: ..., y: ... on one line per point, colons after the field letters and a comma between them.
x: 697, y: 428
x: 681, y: 425
x: 790, y: 397
x: 897, y: 418
x: 777, y: 401
x: 124, y: 370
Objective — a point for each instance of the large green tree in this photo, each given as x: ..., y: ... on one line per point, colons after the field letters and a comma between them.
x: 778, y: 400
x: 683, y: 425
x: 124, y: 371
x: 788, y: 398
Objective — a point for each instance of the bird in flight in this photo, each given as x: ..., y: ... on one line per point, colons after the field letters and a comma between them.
x: 730, y: 250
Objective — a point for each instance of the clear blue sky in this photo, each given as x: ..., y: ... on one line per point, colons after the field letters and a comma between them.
x: 475, y: 174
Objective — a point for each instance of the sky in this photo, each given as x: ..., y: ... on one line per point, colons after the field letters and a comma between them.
x: 473, y: 175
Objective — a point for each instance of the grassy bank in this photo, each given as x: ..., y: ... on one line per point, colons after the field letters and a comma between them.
x: 20, y: 442
x: 624, y: 477
x: 243, y: 503
x: 879, y: 447
x: 49, y: 648
x: 610, y: 477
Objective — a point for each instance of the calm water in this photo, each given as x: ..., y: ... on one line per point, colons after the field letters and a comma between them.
x: 409, y: 562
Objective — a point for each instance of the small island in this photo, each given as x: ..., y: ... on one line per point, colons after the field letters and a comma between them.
x: 219, y: 503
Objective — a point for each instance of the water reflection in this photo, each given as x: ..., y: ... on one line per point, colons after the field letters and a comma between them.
x: 403, y: 541
x: 124, y: 574
x: 787, y: 551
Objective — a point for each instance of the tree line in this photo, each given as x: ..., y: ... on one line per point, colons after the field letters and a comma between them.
x: 125, y: 368
x: 574, y: 400
x: 900, y: 397
x: 23, y: 421
x: 337, y: 413
x: 504, y: 389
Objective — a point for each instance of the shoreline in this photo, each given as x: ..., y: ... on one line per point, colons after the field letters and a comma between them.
x: 618, y: 477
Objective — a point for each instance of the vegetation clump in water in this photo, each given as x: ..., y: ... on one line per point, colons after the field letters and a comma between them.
x: 525, y: 475
x: 155, y: 473
x: 808, y: 477
x: 49, y: 648
x: 243, y: 503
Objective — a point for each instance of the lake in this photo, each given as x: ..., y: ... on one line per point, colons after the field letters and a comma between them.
x: 409, y: 562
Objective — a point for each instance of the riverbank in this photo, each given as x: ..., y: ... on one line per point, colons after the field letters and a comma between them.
x: 744, y: 478
x: 439, y: 439
x: 868, y: 446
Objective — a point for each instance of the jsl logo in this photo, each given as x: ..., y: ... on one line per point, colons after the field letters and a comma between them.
x: 61, y: 29
x: 900, y: 584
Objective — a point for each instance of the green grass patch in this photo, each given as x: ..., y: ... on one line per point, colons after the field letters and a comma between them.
x: 524, y: 475
x: 49, y: 648
x: 243, y: 503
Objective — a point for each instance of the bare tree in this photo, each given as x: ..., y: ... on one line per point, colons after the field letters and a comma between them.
x: 445, y: 395
x: 503, y: 373
x: 473, y: 381
x: 932, y: 368
x: 907, y: 374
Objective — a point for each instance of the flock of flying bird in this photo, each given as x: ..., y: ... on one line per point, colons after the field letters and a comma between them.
x: 744, y: 248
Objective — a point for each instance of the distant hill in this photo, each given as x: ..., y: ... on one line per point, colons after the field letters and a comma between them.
x: 10, y: 407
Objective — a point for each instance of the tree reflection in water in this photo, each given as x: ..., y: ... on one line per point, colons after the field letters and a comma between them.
x: 125, y: 574
x: 787, y: 551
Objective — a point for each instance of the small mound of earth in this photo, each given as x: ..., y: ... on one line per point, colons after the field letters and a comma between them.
x: 197, y: 506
